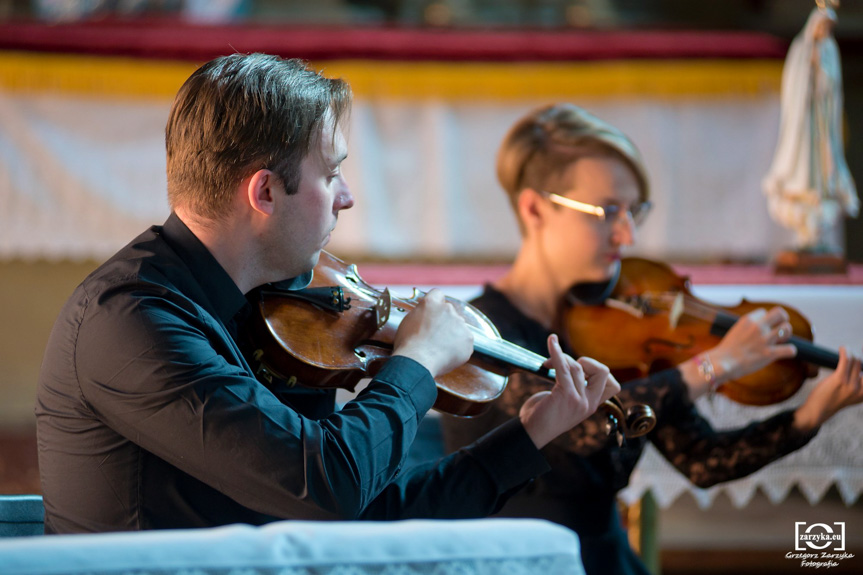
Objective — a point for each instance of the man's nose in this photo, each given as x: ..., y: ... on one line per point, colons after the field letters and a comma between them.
x: 344, y: 199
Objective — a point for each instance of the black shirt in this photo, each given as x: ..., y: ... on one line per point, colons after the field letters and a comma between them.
x: 149, y: 416
x: 589, y: 467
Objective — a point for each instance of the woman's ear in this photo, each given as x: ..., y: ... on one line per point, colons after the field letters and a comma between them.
x: 260, y: 193
x: 531, y: 206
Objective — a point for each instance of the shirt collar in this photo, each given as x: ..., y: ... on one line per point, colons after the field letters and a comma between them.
x: 224, y: 295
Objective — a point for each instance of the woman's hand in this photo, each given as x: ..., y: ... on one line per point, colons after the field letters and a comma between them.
x: 756, y: 340
x: 840, y: 389
x: 582, y: 386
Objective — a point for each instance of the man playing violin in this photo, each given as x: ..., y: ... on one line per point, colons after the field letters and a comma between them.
x: 579, y: 190
x: 149, y: 416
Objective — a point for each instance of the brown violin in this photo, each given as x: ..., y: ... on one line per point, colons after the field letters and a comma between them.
x: 652, y: 321
x: 339, y: 330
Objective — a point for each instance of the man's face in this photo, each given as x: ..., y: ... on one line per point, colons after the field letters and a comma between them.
x: 304, y: 220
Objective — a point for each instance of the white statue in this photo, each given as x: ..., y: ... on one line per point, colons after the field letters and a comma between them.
x: 809, y: 187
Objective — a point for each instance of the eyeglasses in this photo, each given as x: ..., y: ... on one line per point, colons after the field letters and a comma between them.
x: 613, y: 212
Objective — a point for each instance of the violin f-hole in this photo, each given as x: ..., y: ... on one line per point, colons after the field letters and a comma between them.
x: 652, y: 344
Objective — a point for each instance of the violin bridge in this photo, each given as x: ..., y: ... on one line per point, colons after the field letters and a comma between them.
x: 625, y: 307
x: 676, y: 311
x: 382, y: 308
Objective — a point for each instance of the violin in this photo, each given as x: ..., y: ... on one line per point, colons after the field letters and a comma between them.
x: 651, y: 321
x: 339, y: 330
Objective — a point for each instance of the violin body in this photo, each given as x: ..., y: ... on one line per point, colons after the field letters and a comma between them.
x: 652, y: 322
x: 338, y: 340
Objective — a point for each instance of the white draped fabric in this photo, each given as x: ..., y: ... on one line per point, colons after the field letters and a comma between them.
x: 80, y: 176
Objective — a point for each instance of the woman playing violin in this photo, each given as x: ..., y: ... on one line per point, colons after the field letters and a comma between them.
x: 579, y: 190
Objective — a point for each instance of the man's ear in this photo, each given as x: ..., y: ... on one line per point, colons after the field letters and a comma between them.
x: 260, y: 191
x: 530, y: 209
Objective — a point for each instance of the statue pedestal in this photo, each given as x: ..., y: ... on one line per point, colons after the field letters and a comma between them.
x: 801, y: 263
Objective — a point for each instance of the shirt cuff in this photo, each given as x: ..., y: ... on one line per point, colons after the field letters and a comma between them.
x: 509, y: 455
x: 412, y: 378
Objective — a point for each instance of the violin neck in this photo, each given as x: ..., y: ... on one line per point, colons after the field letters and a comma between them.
x: 509, y: 355
x: 806, y: 350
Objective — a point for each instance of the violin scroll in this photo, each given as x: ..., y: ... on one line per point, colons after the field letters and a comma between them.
x: 636, y: 421
x: 640, y: 419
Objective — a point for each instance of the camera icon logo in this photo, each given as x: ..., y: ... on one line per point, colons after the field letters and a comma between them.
x: 819, y: 536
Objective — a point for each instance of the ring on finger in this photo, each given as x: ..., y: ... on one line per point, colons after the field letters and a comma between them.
x: 781, y: 334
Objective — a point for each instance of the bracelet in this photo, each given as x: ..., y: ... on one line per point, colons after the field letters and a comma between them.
x: 706, y: 370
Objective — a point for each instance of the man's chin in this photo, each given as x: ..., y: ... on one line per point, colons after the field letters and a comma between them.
x: 299, y: 268
x: 310, y: 263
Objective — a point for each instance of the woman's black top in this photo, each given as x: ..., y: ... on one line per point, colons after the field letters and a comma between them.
x: 589, y: 467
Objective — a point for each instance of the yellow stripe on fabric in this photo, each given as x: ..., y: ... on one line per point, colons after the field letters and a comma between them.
x: 91, y: 75
x: 548, y: 81
x: 501, y: 81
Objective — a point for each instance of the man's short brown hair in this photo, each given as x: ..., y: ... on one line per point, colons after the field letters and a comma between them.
x: 241, y: 113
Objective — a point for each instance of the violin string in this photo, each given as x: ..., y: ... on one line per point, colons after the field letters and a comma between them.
x: 690, y: 307
x: 700, y: 310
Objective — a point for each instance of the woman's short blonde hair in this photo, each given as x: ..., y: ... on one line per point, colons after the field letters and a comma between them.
x: 539, y: 148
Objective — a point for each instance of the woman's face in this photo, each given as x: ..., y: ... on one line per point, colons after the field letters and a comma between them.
x: 581, y: 247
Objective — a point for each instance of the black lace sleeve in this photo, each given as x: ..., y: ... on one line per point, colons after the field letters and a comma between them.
x: 708, y: 457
